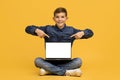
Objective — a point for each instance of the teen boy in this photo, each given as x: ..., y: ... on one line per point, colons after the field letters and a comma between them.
x: 59, y: 32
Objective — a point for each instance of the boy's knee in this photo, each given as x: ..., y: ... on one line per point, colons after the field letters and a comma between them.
x: 37, y: 61
x: 78, y: 61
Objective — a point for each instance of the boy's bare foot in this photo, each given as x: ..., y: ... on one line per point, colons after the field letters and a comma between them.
x: 43, y: 72
x: 74, y: 72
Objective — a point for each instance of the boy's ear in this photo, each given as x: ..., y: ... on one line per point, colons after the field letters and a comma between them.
x: 53, y: 18
x: 67, y: 18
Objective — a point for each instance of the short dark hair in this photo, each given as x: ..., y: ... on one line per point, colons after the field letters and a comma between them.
x: 59, y: 10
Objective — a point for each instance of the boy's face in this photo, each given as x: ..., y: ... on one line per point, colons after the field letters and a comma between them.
x: 60, y: 19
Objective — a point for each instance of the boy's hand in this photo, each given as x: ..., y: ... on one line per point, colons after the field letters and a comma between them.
x: 41, y: 33
x: 78, y: 35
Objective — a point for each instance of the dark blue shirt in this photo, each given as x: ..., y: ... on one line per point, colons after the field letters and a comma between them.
x: 58, y: 35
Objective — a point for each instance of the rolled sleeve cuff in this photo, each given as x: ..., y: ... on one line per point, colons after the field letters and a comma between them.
x: 87, y: 34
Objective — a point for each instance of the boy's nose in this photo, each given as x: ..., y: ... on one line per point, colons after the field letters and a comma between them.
x: 60, y: 19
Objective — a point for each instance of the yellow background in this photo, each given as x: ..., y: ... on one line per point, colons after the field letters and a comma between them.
x: 100, y: 54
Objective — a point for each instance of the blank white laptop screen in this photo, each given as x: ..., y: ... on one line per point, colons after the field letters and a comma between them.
x: 58, y: 50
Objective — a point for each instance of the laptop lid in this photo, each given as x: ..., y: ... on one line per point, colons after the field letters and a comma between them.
x: 58, y: 50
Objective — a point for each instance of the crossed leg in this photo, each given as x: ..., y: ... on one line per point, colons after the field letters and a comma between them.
x: 59, y: 69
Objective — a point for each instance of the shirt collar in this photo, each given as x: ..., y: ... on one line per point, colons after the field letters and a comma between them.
x: 59, y: 28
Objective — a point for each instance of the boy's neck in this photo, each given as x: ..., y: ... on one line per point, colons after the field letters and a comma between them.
x: 60, y: 27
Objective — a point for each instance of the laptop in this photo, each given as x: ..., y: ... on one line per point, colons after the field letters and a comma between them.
x: 58, y: 51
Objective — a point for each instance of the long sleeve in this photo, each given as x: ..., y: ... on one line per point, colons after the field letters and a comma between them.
x: 31, y: 29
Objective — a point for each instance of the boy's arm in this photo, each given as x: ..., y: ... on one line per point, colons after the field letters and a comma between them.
x: 31, y: 29
x: 87, y: 33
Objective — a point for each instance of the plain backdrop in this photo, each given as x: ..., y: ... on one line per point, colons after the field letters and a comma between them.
x: 100, y: 54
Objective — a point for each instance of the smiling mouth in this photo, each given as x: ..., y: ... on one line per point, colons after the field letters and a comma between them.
x: 60, y: 23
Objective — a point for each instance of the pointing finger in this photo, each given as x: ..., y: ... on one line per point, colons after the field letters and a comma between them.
x: 72, y: 35
x: 47, y: 35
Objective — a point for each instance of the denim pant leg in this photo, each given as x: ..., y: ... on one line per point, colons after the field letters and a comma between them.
x: 41, y: 63
x: 75, y: 63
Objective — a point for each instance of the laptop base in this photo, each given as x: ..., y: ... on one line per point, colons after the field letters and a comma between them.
x: 55, y: 59
x: 58, y: 61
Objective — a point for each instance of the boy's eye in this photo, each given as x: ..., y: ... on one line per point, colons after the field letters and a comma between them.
x: 57, y: 16
x: 62, y: 16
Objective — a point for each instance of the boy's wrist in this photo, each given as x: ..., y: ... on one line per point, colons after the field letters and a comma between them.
x: 83, y: 33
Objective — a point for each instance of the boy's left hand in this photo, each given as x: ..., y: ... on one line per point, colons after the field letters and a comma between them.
x: 78, y: 35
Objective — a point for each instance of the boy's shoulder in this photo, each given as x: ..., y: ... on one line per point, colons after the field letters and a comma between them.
x: 49, y: 26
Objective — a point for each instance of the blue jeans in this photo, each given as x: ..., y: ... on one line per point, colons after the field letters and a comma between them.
x: 58, y: 67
